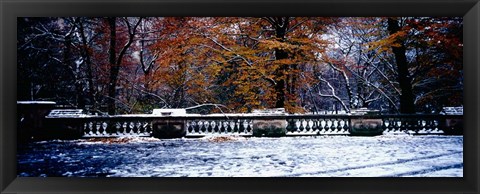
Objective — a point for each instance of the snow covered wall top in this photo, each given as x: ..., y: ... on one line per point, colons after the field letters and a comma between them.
x: 170, y: 112
x: 452, y: 111
x: 36, y: 102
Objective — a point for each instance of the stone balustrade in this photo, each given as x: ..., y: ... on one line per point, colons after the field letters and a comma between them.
x: 243, y: 125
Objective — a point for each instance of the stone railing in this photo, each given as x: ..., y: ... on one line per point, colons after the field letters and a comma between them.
x: 197, y: 126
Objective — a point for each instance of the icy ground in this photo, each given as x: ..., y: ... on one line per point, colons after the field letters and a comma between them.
x: 321, y: 156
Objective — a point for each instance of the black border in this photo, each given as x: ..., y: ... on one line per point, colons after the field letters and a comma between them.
x: 10, y: 9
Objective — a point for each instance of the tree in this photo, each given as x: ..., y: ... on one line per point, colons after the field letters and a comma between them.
x: 132, y: 65
x: 47, y: 68
x: 427, y: 53
x: 115, y: 60
x: 398, y: 48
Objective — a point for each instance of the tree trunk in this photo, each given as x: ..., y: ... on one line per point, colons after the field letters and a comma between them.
x: 114, y: 68
x: 406, y: 98
x: 79, y: 100
x: 280, y: 30
x: 88, y: 63
x: 280, y: 74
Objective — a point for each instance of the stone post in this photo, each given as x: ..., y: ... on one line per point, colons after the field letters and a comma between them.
x: 450, y: 125
x: 31, y: 119
x: 365, y: 126
x: 270, y: 127
x: 166, y: 128
x: 64, y: 124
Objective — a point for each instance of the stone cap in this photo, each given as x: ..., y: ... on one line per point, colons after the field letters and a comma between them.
x: 37, y: 102
x: 452, y: 110
x: 170, y: 112
x: 271, y: 111
x: 364, y: 111
x: 66, y: 113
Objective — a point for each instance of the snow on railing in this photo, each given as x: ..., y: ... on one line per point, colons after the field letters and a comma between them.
x: 242, y: 124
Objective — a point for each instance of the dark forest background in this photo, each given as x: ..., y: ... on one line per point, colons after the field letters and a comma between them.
x: 118, y: 65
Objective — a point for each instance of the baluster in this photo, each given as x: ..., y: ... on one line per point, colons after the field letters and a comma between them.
x: 94, y: 127
x: 88, y: 129
x: 323, y: 125
x: 225, y: 125
x: 207, y: 126
x: 242, y: 126
x: 417, y: 125
x: 333, y: 126
x: 338, y: 128
x: 236, y: 126
x: 107, y: 127
x: 124, y: 128
x: 149, y: 128
x: 203, y: 127
x: 119, y: 128
x: 98, y: 126
x: 110, y: 127
x: 343, y: 123
x: 115, y: 127
x: 141, y: 128
x: 213, y: 127
x: 315, y: 126
x: 398, y: 124
x: 436, y: 124
x: 328, y: 125
x: 129, y: 127
x: 135, y: 128
x: 133, y: 125
x: 249, y: 128
x: 229, y: 126
x: 402, y: 125
x: 392, y: 124
x: 348, y: 125
x: 308, y: 127
x: 412, y: 124
x: 190, y: 127
x: 407, y: 124
x: 103, y: 127
x: 395, y: 125
x: 430, y: 125
x: 387, y: 124
x: 291, y: 125
x: 216, y: 126
x: 426, y: 125
x: 196, y: 126
x: 301, y: 128
x: 84, y: 129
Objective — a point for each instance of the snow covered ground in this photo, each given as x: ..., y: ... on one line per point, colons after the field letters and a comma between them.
x: 320, y: 156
